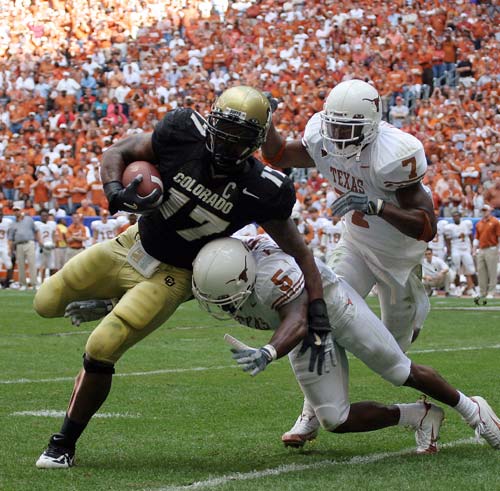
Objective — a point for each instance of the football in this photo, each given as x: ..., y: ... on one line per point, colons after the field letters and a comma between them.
x: 151, y: 179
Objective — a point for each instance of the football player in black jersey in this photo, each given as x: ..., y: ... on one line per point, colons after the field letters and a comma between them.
x: 213, y: 187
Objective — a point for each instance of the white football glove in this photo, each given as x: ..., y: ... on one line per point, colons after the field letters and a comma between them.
x: 356, y: 201
x: 87, y: 310
x: 253, y: 360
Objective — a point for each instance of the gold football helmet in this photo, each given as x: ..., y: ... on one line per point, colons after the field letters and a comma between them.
x: 237, y: 126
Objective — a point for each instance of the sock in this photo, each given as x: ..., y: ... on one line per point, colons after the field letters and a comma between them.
x: 467, y: 408
x: 410, y: 414
x: 307, y: 409
x: 70, y: 432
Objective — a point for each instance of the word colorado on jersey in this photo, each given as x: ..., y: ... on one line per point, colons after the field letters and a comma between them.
x: 204, y: 194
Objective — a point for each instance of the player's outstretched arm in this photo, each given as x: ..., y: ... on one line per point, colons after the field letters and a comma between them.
x: 281, y: 153
x: 292, y: 329
x: 415, y: 217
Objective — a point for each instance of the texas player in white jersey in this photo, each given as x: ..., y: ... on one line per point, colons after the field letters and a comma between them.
x: 104, y: 229
x: 389, y: 216
x: 438, y: 244
x: 260, y: 286
x: 47, y: 234
x: 332, y: 233
x: 376, y: 170
x: 5, y: 224
x: 458, y: 236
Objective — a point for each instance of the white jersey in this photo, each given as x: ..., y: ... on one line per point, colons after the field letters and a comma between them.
x: 434, y: 267
x: 331, y: 236
x: 249, y: 230
x: 459, y: 236
x: 105, y: 231
x: 438, y: 244
x: 279, y: 281
x: 46, y: 231
x: 394, y: 160
x: 5, y: 225
x: 318, y: 226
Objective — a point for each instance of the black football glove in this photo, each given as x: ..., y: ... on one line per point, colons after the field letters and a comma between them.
x: 127, y: 199
x: 273, y: 102
x: 319, y: 336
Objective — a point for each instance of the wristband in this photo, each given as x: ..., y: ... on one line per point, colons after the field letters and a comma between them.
x: 380, y: 206
x: 112, y: 187
x: 269, y: 348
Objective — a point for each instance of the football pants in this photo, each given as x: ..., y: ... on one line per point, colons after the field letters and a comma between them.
x: 403, y: 308
x: 358, y: 330
x: 103, y: 272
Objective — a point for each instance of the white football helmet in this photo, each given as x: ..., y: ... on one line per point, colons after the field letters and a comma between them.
x: 223, y: 276
x: 350, y: 118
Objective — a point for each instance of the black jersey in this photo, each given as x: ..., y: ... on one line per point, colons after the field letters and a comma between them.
x: 198, y: 206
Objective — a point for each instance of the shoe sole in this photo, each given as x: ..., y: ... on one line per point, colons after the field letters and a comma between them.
x: 298, y: 441
x: 53, y: 465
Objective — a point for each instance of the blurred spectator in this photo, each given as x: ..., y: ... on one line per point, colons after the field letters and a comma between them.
x: 22, y: 236
x: 60, y: 243
x: 398, y: 114
x: 492, y: 197
x: 76, y: 235
x: 488, y: 237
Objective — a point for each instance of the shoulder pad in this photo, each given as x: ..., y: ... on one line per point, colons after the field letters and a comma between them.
x: 312, y: 140
x: 441, y: 226
x: 278, y: 194
x: 399, y: 159
x: 179, y: 125
x: 279, y: 280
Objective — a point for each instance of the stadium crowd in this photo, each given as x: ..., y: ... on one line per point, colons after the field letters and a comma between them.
x: 76, y: 76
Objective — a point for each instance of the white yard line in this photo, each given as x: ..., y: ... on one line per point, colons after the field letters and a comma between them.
x: 474, y: 309
x: 130, y: 374
x: 284, y: 469
x: 224, y: 367
x: 450, y: 350
x: 52, y: 413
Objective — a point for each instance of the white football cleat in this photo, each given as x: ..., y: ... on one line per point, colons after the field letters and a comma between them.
x: 304, y: 430
x: 427, y: 432
x: 488, y: 424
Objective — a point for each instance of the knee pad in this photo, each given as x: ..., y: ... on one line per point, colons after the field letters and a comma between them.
x: 47, y: 301
x: 331, y: 417
x: 93, y: 366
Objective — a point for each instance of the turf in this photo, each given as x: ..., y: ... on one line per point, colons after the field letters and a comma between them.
x: 181, y: 416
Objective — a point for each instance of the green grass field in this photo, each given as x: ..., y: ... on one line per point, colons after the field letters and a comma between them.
x: 182, y: 416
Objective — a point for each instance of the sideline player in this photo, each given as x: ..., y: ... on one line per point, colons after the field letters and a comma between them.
x: 47, y: 235
x: 458, y: 236
x: 376, y: 170
x: 213, y: 188
x: 271, y: 296
x: 105, y: 228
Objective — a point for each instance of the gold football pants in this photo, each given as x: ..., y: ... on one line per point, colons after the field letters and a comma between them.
x: 102, y: 272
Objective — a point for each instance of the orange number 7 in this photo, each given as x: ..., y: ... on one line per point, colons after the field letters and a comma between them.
x: 412, y: 162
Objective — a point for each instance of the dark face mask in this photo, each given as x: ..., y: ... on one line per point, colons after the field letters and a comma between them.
x: 230, y: 144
